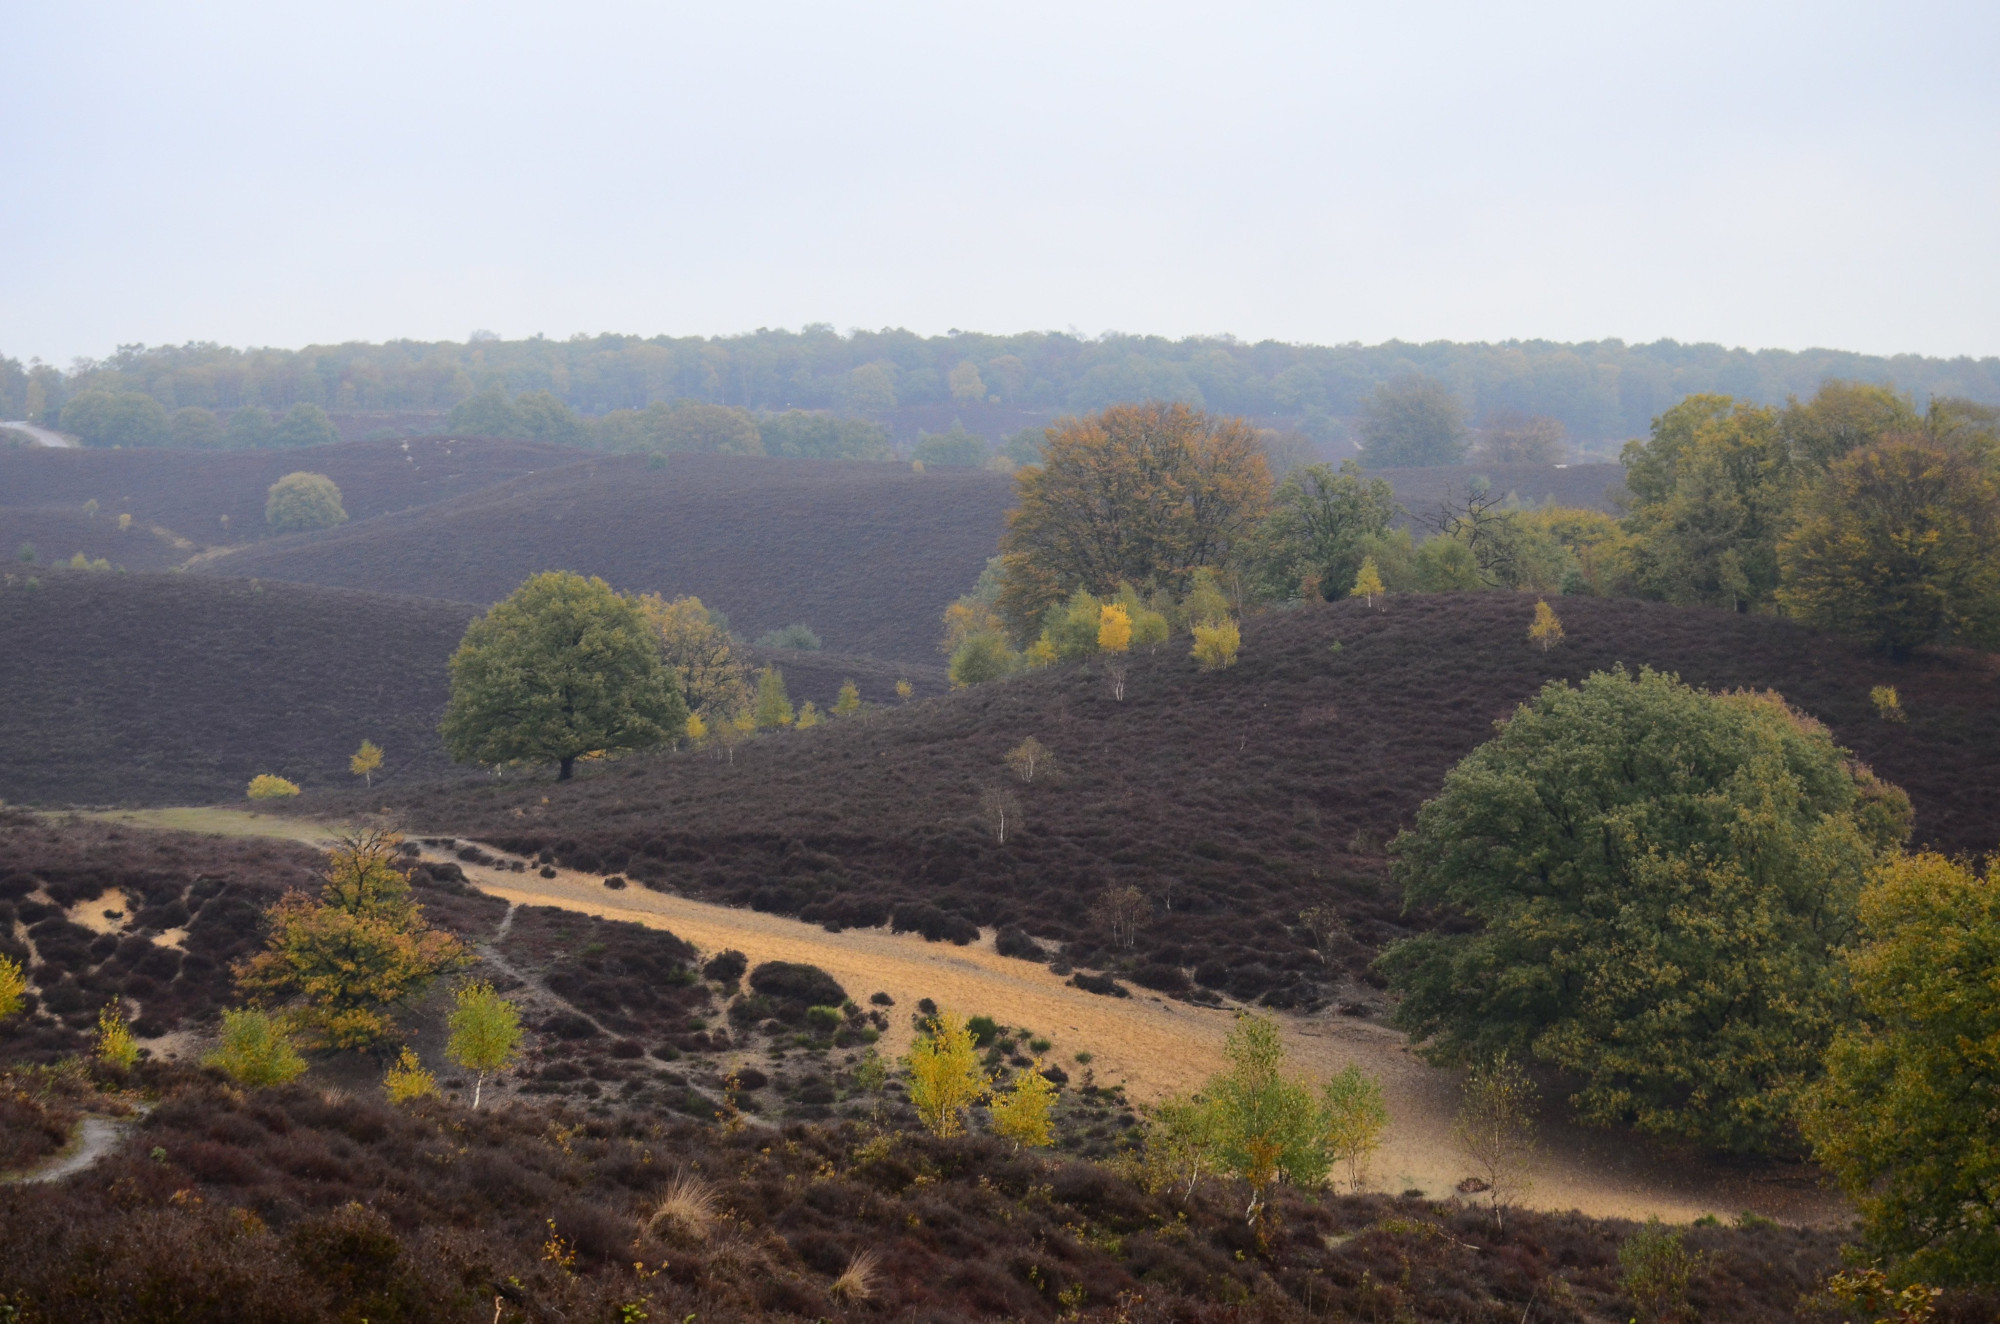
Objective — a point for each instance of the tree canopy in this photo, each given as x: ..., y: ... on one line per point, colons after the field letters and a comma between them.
x: 1319, y: 531
x: 1412, y: 421
x: 1655, y: 880
x: 564, y: 667
x: 301, y: 501
x: 1140, y: 494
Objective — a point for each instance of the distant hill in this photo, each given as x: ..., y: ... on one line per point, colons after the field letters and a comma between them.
x: 176, y: 689
x: 191, y: 492
x: 868, y: 555
x: 1234, y: 799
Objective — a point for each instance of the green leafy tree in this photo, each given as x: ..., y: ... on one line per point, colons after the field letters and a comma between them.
x: 1841, y: 417
x: 487, y: 413
x: 1898, y: 545
x: 954, y: 449
x: 355, y: 954
x: 255, y: 1051
x: 703, y: 655
x: 774, y: 706
x: 868, y: 389
x: 1023, y: 1113
x: 249, y: 428
x: 1140, y: 494
x: 945, y: 1076
x: 545, y: 418
x: 195, y: 428
x: 983, y: 657
x: 563, y: 668
x: 366, y: 761
x: 116, y: 418
x: 966, y: 383
x: 1712, y: 492
x: 485, y: 1033
x: 848, y: 702
x: 1653, y: 881
x: 825, y: 437
x: 1412, y: 422
x: 301, y: 501
x: 1353, y: 1118
x: 1904, y: 1117
x: 1311, y: 544
x: 1268, y: 1126
x: 305, y: 425
x: 1070, y: 628
x: 1511, y: 437
x: 703, y: 429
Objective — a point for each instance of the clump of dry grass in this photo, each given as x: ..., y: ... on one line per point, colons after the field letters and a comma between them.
x: 857, y: 1282
x: 687, y: 1208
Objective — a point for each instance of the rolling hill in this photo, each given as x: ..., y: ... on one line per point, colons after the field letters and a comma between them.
x: 176, y: 689
x: 868, y: 555
x: 1234, y: 799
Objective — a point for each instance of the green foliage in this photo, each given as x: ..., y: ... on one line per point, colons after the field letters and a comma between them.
x: 195, y: 428
x: 249, y: 428
x: 266, y: 786
x: 797, y: 638
x: 1446, y: 565
x: 945, y: 1076
x: 1310, y: 544
x: 1070, y: 628
x: 802, y: 435
x: 1898, y: 545
x: 956, y: 448
x: 305, y: 424
x: 983, y: 657
x: 116, y: 418
x: 1656, y: 1269
x: 1655, y: 879
x: 773, y: 707
x: 354, y: 955
x: 564, y: 667
x: 1205, y: 604
x: 1215, y: 645
x: 1267, y: 1125
x: 255, y: 1051
x: 1412, y: 421
x: 301, y: 501
x: 686, y: 427
x: 1353, y: 1118
x: 485, y: 1033
x: 530, y: 416
x: 702, y: 654
x: 1903, y: 1119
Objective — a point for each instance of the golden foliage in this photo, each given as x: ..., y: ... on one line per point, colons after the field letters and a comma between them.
x: 774, y: 706
x: 255, y: 1051
x: 407, y: 1080
x: 13, y: 986
x: 1215, y: 645
x: 115, y: 1043
x: 265, y: 786
x: 1139, y: 493
x: 699, y: 652
x: 1888, y: 704
x: 1114, y: 628
x: 485, y: 1033
x: 808, y: 716
x: 945, y: 1076
x: 848, y: 701
x: 1368, y: 583
x: 1546, y: 629
x: 1023, y: 1114
x: 1028, y: 758
x: 365, y: 761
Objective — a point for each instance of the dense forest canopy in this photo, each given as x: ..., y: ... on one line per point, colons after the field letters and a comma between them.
x: 1600, y: 391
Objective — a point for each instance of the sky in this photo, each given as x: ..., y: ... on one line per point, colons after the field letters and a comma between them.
x: 1765, y: 175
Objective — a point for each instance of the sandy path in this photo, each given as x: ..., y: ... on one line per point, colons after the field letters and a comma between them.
x: 95, y: 1137
x: 1154, y: 1046
x: 42, y: 436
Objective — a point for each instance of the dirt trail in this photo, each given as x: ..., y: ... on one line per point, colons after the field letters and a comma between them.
x: 95, y: 1137
x: 1154, y: 1046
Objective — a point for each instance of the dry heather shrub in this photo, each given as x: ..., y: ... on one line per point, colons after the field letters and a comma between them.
x: 857, y: 1281
x: 688, y: 1208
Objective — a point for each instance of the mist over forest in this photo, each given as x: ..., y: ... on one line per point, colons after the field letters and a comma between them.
x: 1601, y: 391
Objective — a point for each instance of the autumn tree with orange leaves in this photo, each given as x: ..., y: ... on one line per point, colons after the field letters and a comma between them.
x: 1140, y: 494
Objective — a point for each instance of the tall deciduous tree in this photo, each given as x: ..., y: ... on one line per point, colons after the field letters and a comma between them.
x: 564, y: 667
x: 1144, y: 494
x: 1654, y: 882
x: 1313, y: 543
x: 1904, y: 1118
x: 1898, y: 545
x: 945, y: 1076
x: 698, y: 648
x: 1412, y: 422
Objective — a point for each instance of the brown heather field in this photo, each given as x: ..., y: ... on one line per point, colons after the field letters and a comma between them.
x: 1233, y: 799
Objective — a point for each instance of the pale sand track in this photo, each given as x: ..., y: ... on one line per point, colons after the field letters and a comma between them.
x: 1151, y: 1045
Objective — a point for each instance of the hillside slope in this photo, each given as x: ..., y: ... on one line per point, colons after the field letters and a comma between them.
x: 190, y: 492
x: 151, y: 689
x: 868, y: 555
x: 1233, y: 799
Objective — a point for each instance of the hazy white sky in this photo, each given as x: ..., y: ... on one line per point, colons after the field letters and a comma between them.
x: 1756, y: 174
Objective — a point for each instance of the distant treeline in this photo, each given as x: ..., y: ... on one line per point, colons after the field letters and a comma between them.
x: 1600, y: 391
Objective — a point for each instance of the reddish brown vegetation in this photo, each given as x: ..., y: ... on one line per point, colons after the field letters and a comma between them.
x: 1235, y: 799
x: 150, y: 689
x: 292, y: 1205
x: 868, y: 555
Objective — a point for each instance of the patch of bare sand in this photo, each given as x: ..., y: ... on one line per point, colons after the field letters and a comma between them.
x: 1156, y: 1047
x: 108, y: 912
